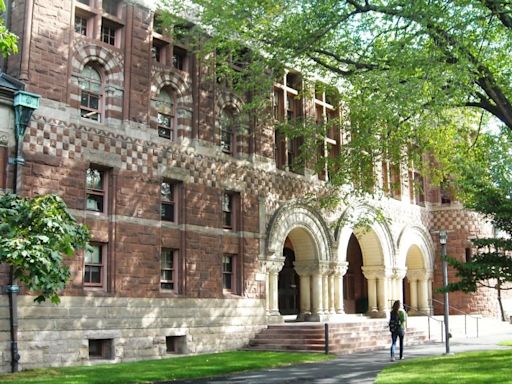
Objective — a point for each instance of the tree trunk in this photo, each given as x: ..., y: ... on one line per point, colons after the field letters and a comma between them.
x: 498, y: 288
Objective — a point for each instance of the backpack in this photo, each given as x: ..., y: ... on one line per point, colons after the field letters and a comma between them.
x: 394, y: 323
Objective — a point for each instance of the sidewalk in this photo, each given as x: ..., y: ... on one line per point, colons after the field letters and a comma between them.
x: 355, y: 368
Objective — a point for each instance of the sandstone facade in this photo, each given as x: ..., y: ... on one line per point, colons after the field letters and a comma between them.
x: 278, y: 255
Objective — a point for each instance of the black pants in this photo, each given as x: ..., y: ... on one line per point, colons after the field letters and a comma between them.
x: 400, y: 336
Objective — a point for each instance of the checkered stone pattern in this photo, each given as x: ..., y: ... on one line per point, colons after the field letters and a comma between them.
x: 54, y: 138
x: 459, y: 219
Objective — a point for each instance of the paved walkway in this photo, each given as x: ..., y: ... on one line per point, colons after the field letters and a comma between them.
x: 356, y: 368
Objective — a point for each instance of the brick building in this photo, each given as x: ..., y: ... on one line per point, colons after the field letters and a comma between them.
x: 200, y: 233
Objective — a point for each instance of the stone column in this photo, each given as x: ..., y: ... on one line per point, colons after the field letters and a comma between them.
x: 304, y: 271
x: 413, y: 285
x: 339, y: 272
x: 272, y: 268
x: 382, y: 293
x: 325, y: 292
x: 332, y: 308
x: 423, y: 294
x: 398, y: 277
x: 372, y: 293
x: 316, y: 293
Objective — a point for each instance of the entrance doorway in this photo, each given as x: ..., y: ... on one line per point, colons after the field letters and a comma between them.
x: 288, y: 285
x: 355, y: 289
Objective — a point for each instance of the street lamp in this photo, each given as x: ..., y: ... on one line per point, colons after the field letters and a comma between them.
x: 443, y: 237
x: 24, y: 105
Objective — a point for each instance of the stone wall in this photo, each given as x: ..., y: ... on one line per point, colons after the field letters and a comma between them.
x: 58, y: 335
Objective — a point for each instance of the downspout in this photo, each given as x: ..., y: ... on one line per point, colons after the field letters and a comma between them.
x: 27, y: 32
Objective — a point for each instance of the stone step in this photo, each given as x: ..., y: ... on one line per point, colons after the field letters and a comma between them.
x: 344, y: 338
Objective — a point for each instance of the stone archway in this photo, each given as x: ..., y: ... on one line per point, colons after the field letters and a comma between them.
x: 377, y: 250
x: 415, y: 264
x: 320, y: 277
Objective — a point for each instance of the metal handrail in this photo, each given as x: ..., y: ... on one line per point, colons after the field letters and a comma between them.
x: 429, y: 316
x: 466, y: 315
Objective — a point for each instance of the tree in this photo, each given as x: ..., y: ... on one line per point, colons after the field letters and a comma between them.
x: 8, y: 40
x: 491, y: 267
x: 34, y: 234
x: 485, y: 186
x: 428, y: 72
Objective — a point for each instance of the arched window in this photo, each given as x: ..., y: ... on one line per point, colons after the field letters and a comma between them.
x: 228, y: 126
x: 90, y: 93
x: 166, y: 109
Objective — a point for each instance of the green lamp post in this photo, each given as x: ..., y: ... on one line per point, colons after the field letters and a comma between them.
x: 24, y: 105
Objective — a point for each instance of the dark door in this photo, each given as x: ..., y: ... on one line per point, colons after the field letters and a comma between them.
x: 288, y: 286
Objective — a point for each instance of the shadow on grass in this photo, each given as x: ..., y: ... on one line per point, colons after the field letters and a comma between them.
x: 185, y: 367
x: 471, y: 367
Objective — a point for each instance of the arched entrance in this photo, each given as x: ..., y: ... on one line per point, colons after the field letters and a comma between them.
x: 318, y: 291
x: 355, y: 291
x: 415, y: 259
x: 288, y: 285
x: 365, y: 244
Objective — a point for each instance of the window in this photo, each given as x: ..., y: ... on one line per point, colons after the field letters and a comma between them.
x: 96, y: 190
x: 168, y: 262
x: 110, y: 6
x: 229, y: 273
x: 396, y: 181
x: 179, y: 57
x: 100, y: 348
x: 90, y: 93
x: 168, y: 201
x: 228, y: 125
x: 108, y: 32
x: 165, y: 105
x: 175, y: 344
x: 157, y: 53
x: 86, y: 2
x: 94, y: 265
x: 227, y: 210
x: 419, y: 188
x: 81, y: 25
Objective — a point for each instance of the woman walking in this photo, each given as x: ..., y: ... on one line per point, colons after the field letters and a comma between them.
x: 397, y: 328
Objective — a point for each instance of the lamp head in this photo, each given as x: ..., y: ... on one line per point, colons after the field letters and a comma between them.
x: 443, y: 237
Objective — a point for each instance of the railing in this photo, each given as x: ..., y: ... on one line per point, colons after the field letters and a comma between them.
x: 430, y: 317
x: 441, y: 322
x: 466, y: 315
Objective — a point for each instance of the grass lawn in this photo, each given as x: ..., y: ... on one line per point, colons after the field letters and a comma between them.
x: 471, y: 367
x: 185, y: 367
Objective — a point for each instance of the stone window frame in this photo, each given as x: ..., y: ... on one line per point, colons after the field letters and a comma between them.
x: 230, y: 210
x: 110, y: 65
x: 173, y: 202
x: 100, y: 19
x: 100, y: 83
x: 183, y: 105
x: 166, y: 113
x: 104, y: 348
x: 174, y: 280
x: 230, y: 276
x: 102, y: 192
x: 102, y: 265
x: 229, y: 123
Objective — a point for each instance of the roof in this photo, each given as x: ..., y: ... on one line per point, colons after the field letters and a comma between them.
x: 10, y: 83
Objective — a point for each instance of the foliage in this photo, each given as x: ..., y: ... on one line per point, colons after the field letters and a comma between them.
x: 34, y: 234
x: 490, y: 267
x: 484, y: 181
x: 478, y: 368
x: 417, y: 77
x: 165, y: 370
x: 8, y: 40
